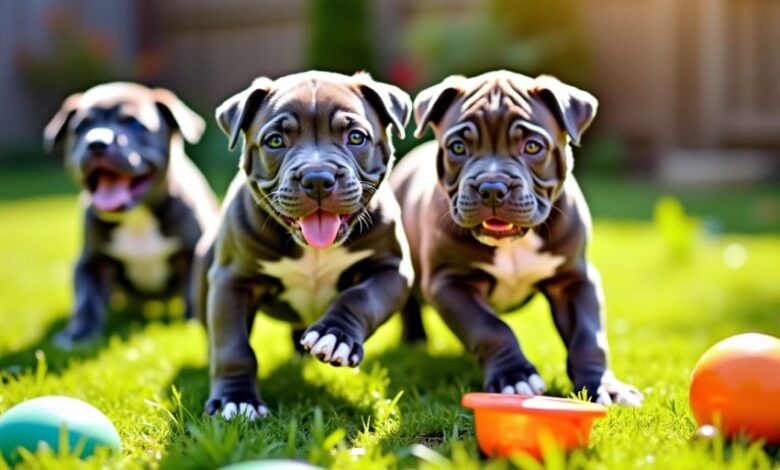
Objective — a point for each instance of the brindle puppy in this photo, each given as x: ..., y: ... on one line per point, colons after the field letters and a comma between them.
x: 506, y: 219
x: 310, y: 235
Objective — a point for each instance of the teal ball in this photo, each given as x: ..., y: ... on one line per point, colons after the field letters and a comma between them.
x: 39, y: 421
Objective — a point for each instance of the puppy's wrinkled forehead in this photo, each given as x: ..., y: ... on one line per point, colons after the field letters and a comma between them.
x: 315, y: 107
x: 495, y: 105
x: 120, y: 100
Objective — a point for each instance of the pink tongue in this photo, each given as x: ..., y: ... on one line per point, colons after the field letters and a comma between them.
x: 320, y: 228
x: 113, y: 192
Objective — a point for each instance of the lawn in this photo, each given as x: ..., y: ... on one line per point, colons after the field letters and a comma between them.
x: 150, y: 374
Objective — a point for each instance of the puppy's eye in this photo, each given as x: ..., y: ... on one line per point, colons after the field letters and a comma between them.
x: 274, y: 141
x: 132, y: 123
x: 356, y: 138
x: 532, y: 147
x: 83, y: 125
x: 458, y: 148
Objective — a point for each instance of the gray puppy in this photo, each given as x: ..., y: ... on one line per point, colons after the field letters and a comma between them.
x: 145, y: 204
x: 493, y: 215
x: 310, y: 233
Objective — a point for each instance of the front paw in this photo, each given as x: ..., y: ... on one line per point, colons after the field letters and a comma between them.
x: 516, y: 379
x: 332, y: 345
x: 229, y: 406
x: 611, y: 391
x: 73, y: 337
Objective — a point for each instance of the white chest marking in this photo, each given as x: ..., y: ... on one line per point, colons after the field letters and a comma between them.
x: 310, y: 281
x: 143, y: 250
x: 516, y: 267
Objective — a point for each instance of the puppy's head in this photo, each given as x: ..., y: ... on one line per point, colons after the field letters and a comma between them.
x: 116, y: 139
x: 503, y: 147
x: 316, y: 148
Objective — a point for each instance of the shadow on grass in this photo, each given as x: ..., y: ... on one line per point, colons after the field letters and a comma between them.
x: 290, y: 431
x: 121, y: 325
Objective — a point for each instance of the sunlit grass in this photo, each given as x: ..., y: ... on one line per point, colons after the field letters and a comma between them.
x: 150, y: 378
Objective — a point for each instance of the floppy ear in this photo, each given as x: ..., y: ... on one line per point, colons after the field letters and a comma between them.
x: 179, y: 115
x: 391, y: 103
x: 574, y: 108
x: 55, y: 129
x: 431, y: 103
x: 235, y: 114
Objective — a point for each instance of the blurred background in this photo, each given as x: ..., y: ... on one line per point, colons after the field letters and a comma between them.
x: 689, y: 91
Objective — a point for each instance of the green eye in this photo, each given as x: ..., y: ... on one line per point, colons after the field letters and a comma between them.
x: 275, y: 141
x: 532, y: 147
x: 356, y: 138
x: 458, y: 148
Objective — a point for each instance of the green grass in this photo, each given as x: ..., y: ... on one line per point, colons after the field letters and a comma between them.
x: 150, y: 376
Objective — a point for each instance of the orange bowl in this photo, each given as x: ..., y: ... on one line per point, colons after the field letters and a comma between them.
x: 736, y: 386
x: 507, y: 424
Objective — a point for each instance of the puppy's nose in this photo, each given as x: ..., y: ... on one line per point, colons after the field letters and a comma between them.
x: 98, y: 139
x: 318, y: 184
x: 493, y: 193
x: 97, y: 146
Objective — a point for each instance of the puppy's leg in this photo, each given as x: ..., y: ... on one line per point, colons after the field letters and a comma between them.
x: 461, y: 304
x: 337, y: 337
x: 92, y: 279
x: 231, y: 310
x: 411, y: 317
x: 183, y: 265
x: 576, y: 301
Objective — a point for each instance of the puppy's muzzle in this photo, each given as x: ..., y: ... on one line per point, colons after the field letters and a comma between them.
x: 318, y: 183
x: 493, y: 193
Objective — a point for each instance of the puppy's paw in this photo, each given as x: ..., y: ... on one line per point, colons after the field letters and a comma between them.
x: 229, y: 407
x: 611, y: 391
x: 517, y: 381
x: 332, y: 345
x: 71, y: 338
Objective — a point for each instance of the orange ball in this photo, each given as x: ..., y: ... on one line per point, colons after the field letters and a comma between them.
x: 736, y: 384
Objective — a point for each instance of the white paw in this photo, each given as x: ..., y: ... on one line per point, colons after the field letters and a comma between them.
x: 533, y: 386
x: 618, y: 393
x: 308, y: 341
x: 341, y: 355
x: 231, y: 410
x: 324, y: 347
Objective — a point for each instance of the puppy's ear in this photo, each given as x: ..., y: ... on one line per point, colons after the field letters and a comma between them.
x: 431, y: 103
x: 55, y: 129
x: 391, y: 103
x: 236, y: 113
x: 574, y: 108
x: 179, y: 115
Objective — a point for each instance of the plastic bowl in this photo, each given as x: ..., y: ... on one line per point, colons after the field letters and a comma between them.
x: 507, y: 424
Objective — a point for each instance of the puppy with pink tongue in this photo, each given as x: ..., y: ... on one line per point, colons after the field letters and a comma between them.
x: 311, y: 233
x: 320, y: 228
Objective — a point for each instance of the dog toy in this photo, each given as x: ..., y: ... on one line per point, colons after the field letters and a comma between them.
x: 736, y: 387
x: 45, y: 420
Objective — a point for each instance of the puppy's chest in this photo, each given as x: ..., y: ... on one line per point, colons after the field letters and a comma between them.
x: 516, y: 268
x: 143, y: 250
x: 310, y: 282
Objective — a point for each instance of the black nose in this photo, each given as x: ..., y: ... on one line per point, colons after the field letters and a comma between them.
x: 318, y: 184
x: 493, y: 193
x: 97, y: 146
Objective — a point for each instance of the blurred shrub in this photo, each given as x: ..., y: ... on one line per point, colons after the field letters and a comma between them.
x: 677, y: 230
x: 340, y: 39
x: 601, y: 153
x: 530, y: 37
x: 75, y: 59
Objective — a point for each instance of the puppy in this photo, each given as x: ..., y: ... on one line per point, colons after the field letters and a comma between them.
x: 506, y: 219
x: 145, y: 204
x: 310, y: 234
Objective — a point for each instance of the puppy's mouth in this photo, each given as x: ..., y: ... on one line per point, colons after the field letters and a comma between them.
x: 497, y: 228
x: 114, y: 191
x: 320, y: 228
